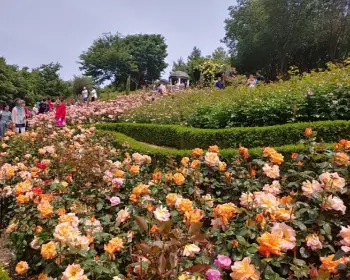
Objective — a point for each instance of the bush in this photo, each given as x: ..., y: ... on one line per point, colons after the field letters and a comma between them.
x: 161, y: 155
x: 315, y: 96
x: 3, y: 274
x: 181, y: 137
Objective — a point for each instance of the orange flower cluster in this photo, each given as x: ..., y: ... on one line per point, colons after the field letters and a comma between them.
x: 244, y: 152
x: 225, y: 212
x: 193, y: 216
x: 114, y: 245
x: 275, y: 157
x: 308, y: 132
x: 138, y: 191
x: 48, y: 250
x: 157, y: 176
x: 184, y: 205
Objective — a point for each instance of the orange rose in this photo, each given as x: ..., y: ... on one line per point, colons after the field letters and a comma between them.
x: 197, y: 152
x: 341, y: 159
x: 195, y: 164
x: 214, y: 149
x: 114, y: 245
x: 193, y: 216
x: 22, y: 267
x: 329, y: 264
x: 22, y: 199
x: 154, y: 229
x: 308, y: 132
x: 184, y: 205
x: 119, y: 173
x: 171, y: 199
x: 179, y: 179
x: 45, y: 209
x: 268, y: 151
x: 270, y: 244
x: 48, y: 250
x: 222, y: 166
x: 294, y: 155
x: 185, y: 161
x: 260, y: 219
x: 134, y: 169
x: 157, y: 176
x: 277, y: 158
x: 225, y: 211
x: 244, y: 152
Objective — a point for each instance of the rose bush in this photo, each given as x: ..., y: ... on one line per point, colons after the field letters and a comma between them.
x: 81, y: 209
x: 94, y: 111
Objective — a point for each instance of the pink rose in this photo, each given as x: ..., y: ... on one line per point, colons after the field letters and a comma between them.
x: 115, y: 200
x: 223, y: 262
x: 213, y: 274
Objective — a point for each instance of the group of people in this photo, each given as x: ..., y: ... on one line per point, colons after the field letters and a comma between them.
x: 16, y: 119
x: 85, y: 94
x: 252, y: 80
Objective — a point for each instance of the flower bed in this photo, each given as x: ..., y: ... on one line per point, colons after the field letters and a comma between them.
x: 181, y: 137
x: 94, y: 111
x: 314, y: 97
x: 83, y: 210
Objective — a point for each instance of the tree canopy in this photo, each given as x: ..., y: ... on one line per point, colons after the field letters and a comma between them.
x: 271, y: 35
x: 114, y: 58
x: 31, y: 85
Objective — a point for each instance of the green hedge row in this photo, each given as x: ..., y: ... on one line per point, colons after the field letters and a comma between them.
x: 161, y: 155
x: 181, y: 137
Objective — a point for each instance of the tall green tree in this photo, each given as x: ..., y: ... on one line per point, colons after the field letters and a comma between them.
x: 180, y: 65
x: 272, y: 35
x: 221, y: 56
x: 114, y: 57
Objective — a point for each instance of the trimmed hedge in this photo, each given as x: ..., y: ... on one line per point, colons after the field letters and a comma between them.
x: 181, y: 137
x: 160, y: 155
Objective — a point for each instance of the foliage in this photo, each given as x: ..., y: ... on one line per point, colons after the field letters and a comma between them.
x: 80, y: 201
x: 181, y: 137
x: 3, y: 274
x: 271, y: 35
x: 79, y: 82
x: 208, y: 70
x: 42, y: 82
x: 180, y: 65
x: 221, y: 56
x: 313, y: 97
x: 114, y: 57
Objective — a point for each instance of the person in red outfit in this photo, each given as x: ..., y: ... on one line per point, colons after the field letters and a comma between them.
x: 61, y: 110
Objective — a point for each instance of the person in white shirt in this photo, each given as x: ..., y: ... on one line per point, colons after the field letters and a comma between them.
x: 85, y: 94
x: 93, y: 94
x: 18, y: 117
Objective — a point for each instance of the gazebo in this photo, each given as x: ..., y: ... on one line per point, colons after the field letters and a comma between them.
x: 179, y: 77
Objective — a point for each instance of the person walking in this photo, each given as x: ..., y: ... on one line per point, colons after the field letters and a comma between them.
x: 61, y: 111
x: 93, y: 95
x: 18, y: 116
x: 5, y: 120
x: 85, y: 94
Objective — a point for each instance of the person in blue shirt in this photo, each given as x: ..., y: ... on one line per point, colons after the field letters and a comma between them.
x: 219, y: 84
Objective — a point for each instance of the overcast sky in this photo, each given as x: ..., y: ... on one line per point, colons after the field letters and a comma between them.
x: 34, y: 32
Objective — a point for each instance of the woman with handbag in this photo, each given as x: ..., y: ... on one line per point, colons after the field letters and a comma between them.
x: 18, y: 117
x: 5, y: 120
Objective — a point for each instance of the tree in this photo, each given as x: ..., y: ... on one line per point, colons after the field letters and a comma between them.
x: 221, y: 56
x: 114, y: 57
x: 272, y: 35
x: 79, y: 82
x: 195, y: 54
x: 180, y: 65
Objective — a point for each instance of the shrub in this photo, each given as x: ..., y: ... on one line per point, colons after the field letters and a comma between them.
x: 181, y: 137
x: 3, y: 274
x: 315, y: 96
